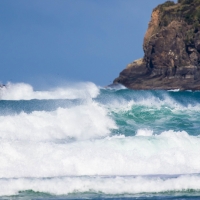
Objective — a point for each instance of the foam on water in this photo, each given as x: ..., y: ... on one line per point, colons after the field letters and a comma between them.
x: 167, y: 153
x: 109, y: 141
x: 24, y: 91
x: 144, y: 132
x: 157, y: 111
x: 107, y: 185
x: 126, y: 99
x: 85, y: 121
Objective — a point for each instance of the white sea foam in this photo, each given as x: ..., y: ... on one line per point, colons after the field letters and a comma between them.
x: 22, y: 91
x: 85, y: 121
x: 167, y: 153
x: 150, y: 101
x: 75, y: 143
x: 106, y: 185
x: 144, y: 132
x: 175, y: 90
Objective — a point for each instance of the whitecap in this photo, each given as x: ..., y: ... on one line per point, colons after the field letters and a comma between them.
x: 23, y: 91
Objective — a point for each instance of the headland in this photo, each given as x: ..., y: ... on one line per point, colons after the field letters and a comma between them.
x: 171, y: 50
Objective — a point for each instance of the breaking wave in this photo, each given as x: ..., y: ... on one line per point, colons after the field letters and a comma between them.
x: 83, y: 139
x: 23, y: 91
x: 167, y: 153
x: 106, y: 185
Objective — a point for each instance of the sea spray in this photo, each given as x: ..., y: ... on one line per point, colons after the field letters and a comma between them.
x: 118, y: 185
x: 23, y: 91
x: 87, y: 141
x: 84, y: 121
x: 168, y: 153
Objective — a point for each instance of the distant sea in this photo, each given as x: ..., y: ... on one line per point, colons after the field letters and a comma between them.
x: 82, y: 141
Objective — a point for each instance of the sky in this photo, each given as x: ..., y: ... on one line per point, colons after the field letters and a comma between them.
x: 49, y: 42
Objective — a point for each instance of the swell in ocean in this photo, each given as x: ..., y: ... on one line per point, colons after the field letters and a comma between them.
x: 83, y: 141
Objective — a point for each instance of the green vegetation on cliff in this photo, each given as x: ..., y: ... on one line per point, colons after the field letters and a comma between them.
x: 171, y: 50
x: 185, y: 10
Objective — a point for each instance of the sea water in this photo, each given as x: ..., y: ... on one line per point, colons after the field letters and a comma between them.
x: 86, y: 142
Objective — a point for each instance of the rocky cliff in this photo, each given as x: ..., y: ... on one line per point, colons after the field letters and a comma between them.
x: 171, y: 50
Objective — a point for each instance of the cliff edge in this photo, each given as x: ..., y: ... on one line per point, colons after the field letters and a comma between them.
x: 171, y: 50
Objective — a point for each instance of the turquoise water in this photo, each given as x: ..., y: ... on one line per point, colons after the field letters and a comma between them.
x: 86, y: 142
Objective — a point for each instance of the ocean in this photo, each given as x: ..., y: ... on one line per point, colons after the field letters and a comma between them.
x: 81, y: 141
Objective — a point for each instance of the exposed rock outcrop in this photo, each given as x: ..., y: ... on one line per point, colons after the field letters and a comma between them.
x: 171, y: 50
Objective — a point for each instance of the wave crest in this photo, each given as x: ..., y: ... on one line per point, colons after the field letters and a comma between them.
x: 85, y: 121
x: 102, y: 185
x: 23, y: 91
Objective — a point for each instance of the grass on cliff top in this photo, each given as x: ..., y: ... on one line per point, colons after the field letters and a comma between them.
x: 187, y: 10
x: 188, y: 1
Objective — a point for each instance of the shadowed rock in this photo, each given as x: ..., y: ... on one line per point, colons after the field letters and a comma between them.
x: 171, y: 50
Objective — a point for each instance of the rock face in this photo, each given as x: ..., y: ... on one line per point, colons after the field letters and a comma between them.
x: 171, y: 50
